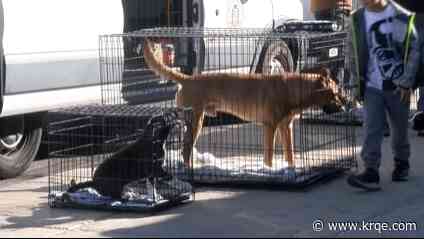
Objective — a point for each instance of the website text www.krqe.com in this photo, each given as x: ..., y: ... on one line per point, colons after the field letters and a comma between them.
x: 364, y: 226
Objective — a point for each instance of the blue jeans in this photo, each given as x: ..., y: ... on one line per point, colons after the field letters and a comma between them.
x: 376, y: 104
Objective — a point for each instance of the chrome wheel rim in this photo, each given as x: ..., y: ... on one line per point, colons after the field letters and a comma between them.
x: 10, y: 143
x: 276, y: 66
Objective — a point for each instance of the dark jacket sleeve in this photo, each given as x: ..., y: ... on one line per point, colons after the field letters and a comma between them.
x: 356, y: 79
x: 412, y: 62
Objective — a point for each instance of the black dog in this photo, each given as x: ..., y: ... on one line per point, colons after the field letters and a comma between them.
x: 141, y: 159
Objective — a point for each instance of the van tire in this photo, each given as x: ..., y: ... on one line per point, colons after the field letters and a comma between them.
x: 14, y: 163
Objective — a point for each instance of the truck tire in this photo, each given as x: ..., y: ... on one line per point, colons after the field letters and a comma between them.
x: 17, y: 151
x: 275, y: 58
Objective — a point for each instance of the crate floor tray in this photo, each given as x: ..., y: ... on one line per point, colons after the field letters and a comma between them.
x: 237, y: 171
x: 141, y: 196
x: 64, y: 200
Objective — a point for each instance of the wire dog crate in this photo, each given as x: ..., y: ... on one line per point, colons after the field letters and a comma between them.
x: 118, y: 157
x: 248, y: 89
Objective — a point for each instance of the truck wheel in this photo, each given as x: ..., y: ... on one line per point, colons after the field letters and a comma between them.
x: 17, y: 151
x: 275, y: 58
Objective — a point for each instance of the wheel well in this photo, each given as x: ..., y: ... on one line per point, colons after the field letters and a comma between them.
x: 12, y: 124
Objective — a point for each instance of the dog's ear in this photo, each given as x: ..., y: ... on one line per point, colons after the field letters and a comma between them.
x: 325, y: 72
x: 155, y: 47
x: 148, y: 42
x: 326, y: 76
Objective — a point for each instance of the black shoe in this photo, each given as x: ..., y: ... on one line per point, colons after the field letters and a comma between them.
x: 368, y: 180
x: 420, y: 134
x: 401, y: 171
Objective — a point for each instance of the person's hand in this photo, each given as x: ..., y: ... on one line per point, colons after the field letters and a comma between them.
x: 405, y: 94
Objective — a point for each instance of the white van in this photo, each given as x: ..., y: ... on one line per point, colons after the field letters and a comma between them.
x: 50, y: 53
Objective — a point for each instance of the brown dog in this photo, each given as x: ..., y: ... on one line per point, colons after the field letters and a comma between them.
x: 272, y: 100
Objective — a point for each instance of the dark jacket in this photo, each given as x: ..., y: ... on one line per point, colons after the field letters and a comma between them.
x: 359, y: 50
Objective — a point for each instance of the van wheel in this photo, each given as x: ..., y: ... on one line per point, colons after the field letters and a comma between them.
x: 275, y: 58
x: 17, y: 151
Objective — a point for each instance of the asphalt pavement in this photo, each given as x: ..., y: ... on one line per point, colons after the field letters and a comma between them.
x: 397, y: 210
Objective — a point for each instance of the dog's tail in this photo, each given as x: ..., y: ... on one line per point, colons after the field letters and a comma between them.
x: 158, y: 66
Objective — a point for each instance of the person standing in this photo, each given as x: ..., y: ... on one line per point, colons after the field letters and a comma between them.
x: 420, y: 78
x: 332, y: 10
x: 418, y: 7
x: 385, y: 60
